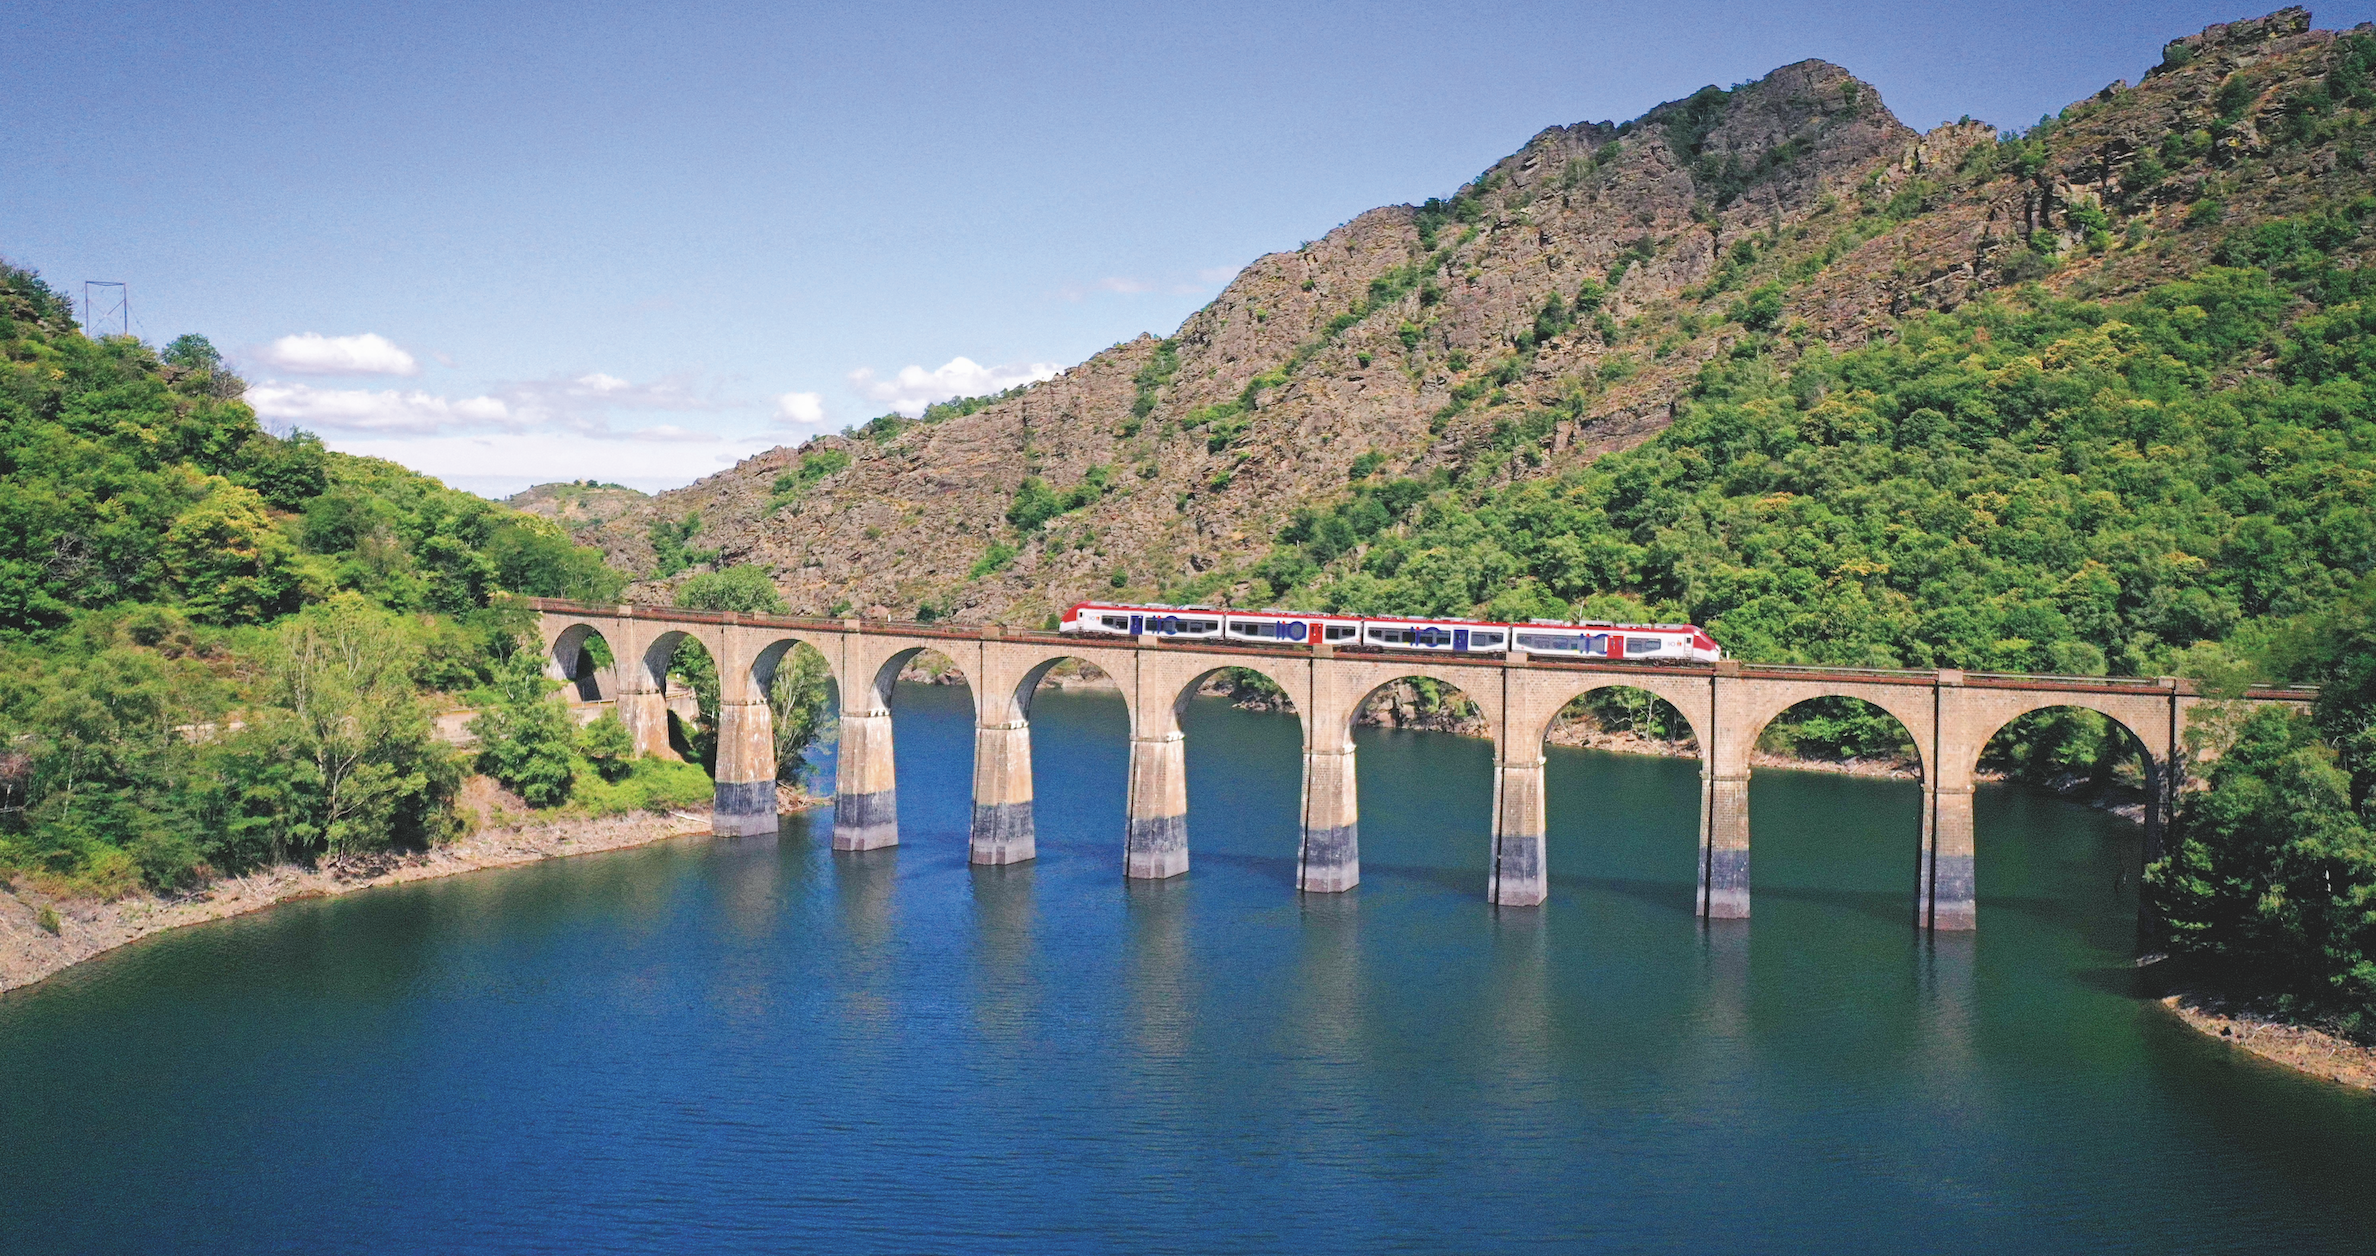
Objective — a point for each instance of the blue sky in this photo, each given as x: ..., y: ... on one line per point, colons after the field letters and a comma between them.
x: 511, y: 243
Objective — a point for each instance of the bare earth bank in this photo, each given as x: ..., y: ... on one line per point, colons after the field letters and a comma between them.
x: 89, y: 927
x: 2297, y: 1047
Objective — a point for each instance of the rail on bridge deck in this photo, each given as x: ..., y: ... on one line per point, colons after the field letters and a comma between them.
x: 1950, y: 715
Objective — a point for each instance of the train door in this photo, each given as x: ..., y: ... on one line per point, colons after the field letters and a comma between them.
x: 1138, y: 625
x: 1460, y: 638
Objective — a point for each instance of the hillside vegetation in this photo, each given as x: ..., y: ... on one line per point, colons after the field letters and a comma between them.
x: 218, y: 647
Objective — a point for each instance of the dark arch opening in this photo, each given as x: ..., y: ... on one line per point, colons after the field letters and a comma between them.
x: 1835, y: 805
x: 1080, y: 754
x: 688, y: 678
x: 1421, y: 704
x: 1622, y: 802
x: 2036, y: 856
x: 1624, y: 720
x: 931, y: 701
x: 803, y: 708
x: 2069, y: 750
x: 1244, y: 763
x: 1425, y: 783
x: 581, y: 660
x: 1838, y: 734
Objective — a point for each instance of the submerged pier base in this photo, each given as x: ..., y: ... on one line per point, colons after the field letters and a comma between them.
x: 745, y: 799
x: 1002, y: 821
x: 1328, y: 860
x: 1156, y: 845
x: 1948, y: 888
x: 865, y: 793
x: 1519, y: 878
x: 1724, y: 852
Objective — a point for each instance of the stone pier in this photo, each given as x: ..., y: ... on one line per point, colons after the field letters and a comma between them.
x: 745, y: 799
x: 1328, y: 858
x: 1724, y: 849
x: 1519, y: 877
x: 1002, y: 827
x: 644, y: 710
x: 1156, y: 845
x: 1949, y: 899
x: 865, y: 795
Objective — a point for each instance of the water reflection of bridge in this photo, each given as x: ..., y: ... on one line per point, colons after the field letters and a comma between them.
x: 1950, y: 716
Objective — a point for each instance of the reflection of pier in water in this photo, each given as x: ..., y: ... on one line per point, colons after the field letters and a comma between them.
x: 1948, y: 715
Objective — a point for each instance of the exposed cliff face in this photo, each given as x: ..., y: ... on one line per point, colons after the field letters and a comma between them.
x: 1419, y: 337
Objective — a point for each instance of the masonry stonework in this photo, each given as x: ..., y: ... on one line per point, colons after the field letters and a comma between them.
x: 1949, y: 716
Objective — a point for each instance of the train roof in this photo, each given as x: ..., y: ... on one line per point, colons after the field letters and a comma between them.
x: 1301, y: 614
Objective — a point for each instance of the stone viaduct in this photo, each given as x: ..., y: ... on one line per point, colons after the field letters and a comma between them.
x: 1950, y: 715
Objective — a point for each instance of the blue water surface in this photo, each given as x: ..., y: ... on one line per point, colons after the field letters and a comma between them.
x: 763, y: 1045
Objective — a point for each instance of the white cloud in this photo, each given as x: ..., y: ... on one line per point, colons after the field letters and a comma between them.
x: 800, y: 407
x: 583, y: 404
x: 362, y: 410
x: 672, y: 433
x: 312, y: 353
x: 580, y: 398
x: 915, y: 388
x: 500, y: 463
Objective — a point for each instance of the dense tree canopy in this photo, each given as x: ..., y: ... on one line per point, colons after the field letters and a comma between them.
x: 215, y: 642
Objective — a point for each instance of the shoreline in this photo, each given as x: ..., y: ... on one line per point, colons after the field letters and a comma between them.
x: 89, y: 928
x: 2305, y: 1050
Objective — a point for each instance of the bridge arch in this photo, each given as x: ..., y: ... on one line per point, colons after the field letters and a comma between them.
x: 682, y: 666
x: 1848, y: 734
x: 582, y: 659
x: 767, y: 710
x: 1004, y: 828
x: 1686, y: 696
x: 2145, y: 721
x: 883, y: 679
x: 1027, y: 686
x: 1479, y: 687
x: 1910, y: 708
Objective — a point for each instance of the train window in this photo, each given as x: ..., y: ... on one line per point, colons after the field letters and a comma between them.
x: 1335, y: 632
x: 1250, y: 630
x: 1197, y: 625
x: 1116, y: 621
x: 1643, y: 645
x: 1484, y: 640
x: 1537, y: 641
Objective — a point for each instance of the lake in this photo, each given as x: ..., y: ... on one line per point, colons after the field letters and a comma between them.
x: 759, y: 1044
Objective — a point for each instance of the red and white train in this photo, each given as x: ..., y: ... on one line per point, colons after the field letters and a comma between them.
x: 1645, y: 643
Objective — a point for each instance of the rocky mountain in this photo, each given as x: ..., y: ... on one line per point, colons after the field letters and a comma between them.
x: 577, y: 504
x: 1555, y: 308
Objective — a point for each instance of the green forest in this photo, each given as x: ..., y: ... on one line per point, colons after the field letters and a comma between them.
x: 220, y: 648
